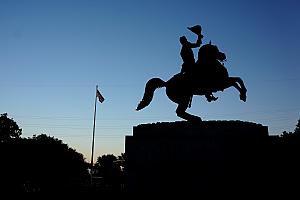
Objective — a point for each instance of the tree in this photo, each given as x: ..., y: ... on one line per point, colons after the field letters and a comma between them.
x: 41, y: 164
x: 286, y: 157
x: 297, y: 129
x: 52, y: 165
x: 296, y: 132
x: 8, y: 128
x: 109, y: 167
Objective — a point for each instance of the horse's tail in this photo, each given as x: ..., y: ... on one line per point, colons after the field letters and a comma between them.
x: 151, y: 86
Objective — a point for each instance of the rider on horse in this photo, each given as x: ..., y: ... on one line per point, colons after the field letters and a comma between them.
x: 187, y: 55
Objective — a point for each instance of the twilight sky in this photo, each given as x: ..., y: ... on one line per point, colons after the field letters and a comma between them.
x: 54, y: 52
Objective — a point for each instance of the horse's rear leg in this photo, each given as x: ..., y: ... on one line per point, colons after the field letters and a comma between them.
x: 181, y: 112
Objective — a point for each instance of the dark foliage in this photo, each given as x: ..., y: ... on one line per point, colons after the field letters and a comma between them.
x: 110, y: 169
x: 8, y: 128
x: 41, y: 163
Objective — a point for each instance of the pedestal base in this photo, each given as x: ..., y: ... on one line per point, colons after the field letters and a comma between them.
x: 189, y: 157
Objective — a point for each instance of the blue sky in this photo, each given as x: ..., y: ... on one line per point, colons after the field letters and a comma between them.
x: 54, y: 53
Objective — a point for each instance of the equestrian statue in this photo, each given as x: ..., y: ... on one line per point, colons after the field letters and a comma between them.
x: 205, y: 76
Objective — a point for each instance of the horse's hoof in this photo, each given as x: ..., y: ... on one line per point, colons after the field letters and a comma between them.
x: 195, y: 119
x: 243, y: 97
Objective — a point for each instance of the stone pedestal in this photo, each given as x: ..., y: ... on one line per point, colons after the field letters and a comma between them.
x: 195, y: 157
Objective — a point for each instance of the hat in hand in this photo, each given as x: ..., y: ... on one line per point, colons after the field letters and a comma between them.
x: 196, y: 29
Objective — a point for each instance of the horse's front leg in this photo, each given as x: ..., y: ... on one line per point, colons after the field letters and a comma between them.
x: 232, y: 81
x: 241, y: 82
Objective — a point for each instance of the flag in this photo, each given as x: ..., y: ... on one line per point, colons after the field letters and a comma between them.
x: 99, y: 96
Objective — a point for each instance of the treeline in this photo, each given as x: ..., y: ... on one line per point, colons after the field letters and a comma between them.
x: 41, y: 163
x: 45, y: 164
x: 284, y: 165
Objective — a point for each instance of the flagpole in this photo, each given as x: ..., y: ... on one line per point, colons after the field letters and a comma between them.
x: 93, y: 141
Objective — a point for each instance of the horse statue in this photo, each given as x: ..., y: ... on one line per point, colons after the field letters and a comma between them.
x: 207, y: 76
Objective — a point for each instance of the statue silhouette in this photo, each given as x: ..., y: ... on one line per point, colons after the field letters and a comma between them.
x: 206, y: 76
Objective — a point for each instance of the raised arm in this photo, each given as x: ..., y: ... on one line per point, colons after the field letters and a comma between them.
x: 197, y: 29
x: 197, y: 44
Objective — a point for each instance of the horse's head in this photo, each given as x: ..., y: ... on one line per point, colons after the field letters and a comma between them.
x: 211, y: 52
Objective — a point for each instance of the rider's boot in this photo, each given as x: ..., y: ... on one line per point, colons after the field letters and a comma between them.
x: 210, y: 97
